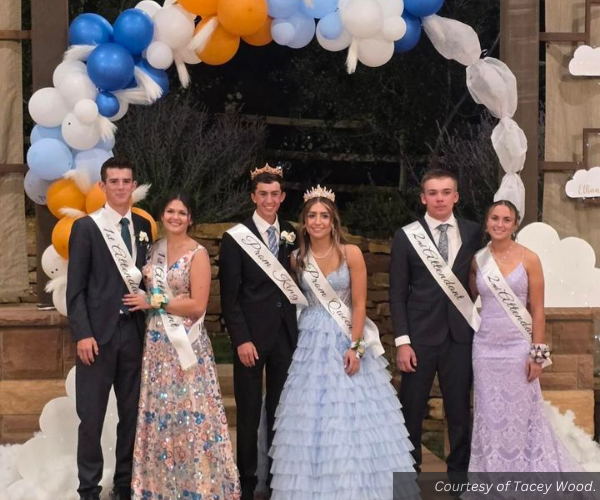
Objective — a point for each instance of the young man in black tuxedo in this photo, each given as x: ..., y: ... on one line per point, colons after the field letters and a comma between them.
x: 260, y: 320
x: 109, y: 338
x: 432, y: 336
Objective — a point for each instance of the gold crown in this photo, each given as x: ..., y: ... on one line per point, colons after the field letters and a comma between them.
x: 267, y: 169
x: 319, y: 192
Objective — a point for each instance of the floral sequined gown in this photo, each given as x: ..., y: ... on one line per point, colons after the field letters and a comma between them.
x: 182, y: 447
x: 510, y: 431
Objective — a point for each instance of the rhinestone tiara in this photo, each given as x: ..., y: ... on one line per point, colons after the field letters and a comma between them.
x: 319, y: 192
x: 268, y: 169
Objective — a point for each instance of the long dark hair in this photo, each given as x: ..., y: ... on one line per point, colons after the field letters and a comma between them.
x: 183, y: 198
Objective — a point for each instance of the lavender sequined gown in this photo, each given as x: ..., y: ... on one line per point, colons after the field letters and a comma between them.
x: 182, y: 445
x: 510, y: 432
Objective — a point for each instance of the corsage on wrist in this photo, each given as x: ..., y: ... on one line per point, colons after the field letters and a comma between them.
x: 157, y: 300
x: 540, y: 353
x: 359, y: 346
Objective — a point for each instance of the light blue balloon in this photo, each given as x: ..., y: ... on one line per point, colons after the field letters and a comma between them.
x: 282, y: 31
x: 49, y: 159
x: 282, y: 8
x: 38, y: 132
x: 90, y: 161
x: 320, y: 8
x: 106, y: 144
x: 331, y: 26
x: 304, y: 30
x: 36, y: 188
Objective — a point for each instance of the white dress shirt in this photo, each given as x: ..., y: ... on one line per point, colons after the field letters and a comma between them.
x: 262, y: 225
x: 454, y: 243
x: 116, y: 217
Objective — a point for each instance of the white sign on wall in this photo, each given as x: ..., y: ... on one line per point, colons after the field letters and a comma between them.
x: 584, y: 184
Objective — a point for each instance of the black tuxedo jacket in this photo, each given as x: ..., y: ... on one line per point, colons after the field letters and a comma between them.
x: 253, y: 306
x: 418, y: 305
x: 95, y: 287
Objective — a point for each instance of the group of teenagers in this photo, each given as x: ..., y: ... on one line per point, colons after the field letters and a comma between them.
x: 335, y: 426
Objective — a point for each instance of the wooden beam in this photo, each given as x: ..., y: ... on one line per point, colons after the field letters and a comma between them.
x: 559, y: 166
x: 13, y: 168
x: 15, y: 35
x: 562, y: 37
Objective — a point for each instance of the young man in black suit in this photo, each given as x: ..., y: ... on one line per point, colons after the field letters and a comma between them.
x: 260, y: 319
x: 109, y: 338
x: 432, y: 336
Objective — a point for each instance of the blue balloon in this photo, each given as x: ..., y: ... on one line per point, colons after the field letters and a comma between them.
x: 90, y: 161
x: 90, y: 29
x: 282, y: 31
x: 133, y: 30
x: 106, y: 144
x: 422, y: 8
x: 108, y: 104
x: 331, y: 26
x: 49, y: 159
x: 319, y: 9
x: 411, y: 37
x: 282, y: 8
x: 110, y: 66
x: 36, y: 188
x: 38, y: 132
x: 304, y: 30
x: 160, y: 76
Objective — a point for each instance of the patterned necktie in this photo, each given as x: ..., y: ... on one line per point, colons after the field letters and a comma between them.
x: 443, y: 243
x: 273, y: 246
x: 126, y: 235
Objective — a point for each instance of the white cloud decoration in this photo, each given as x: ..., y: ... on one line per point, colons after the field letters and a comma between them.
x: 570, y: 272
x: 585, y: 62
x: 584, y: 184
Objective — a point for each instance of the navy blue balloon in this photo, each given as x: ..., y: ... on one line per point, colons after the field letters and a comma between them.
x: 90, y: 29
x: 133, y: 30
x: 108, y: 104
x: 412, y: 36
x: 422, y: 8
x: 110, y: 66
x: 160, y: 76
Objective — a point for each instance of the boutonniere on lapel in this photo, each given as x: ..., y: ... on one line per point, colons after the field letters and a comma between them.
x: 142, y: 237
x: 287, y: 238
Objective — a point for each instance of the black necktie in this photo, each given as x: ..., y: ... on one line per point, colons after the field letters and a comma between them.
x: 126, y: 235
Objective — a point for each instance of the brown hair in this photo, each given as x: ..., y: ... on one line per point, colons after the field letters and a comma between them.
x: 437, y: 173
x: 266, y: 178
x: 504, y: 203
x: 116, y: 162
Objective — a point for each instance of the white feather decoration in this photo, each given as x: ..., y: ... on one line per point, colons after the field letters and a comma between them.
x: 78, y: 52
x: 352, y: 59
x: 81, y: 178
x: 107, y: 128
x: 56, y: 284
x: 200, y: 39
x: 153, y: 90
x: 136, y: 95
x: 182, y: 72
x: 140, y: 193
x: 74, y: 213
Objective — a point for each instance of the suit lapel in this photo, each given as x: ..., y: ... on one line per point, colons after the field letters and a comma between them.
x: 464, y: 237
x: 139, y: 246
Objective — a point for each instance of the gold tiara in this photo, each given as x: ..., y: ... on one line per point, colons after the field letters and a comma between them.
x: 319, y: 192
x: 267, y: 169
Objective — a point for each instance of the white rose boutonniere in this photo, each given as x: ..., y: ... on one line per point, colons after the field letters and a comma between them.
x: 143, y: 237
x: 288, y: 238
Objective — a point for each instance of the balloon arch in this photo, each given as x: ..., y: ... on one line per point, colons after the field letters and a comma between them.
x: 108, y: 67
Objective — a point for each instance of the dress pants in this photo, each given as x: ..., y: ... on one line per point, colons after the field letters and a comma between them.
x: 117, y: 365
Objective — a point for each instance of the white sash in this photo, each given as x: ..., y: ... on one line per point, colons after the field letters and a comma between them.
x: 442, y: 273
x: 260, y: 253
x: 339, y: 311
x: 505, y: 296
x: 131, y: 275
x: 182, y: 341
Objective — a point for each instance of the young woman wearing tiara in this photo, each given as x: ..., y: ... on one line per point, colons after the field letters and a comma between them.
x: 339, y: 428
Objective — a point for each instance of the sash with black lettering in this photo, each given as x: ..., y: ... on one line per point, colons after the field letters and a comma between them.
x: 506, y: 297
x: 442, y: 273
x: 181, y: 339
x: 260, y: 253
x: 339, y: 311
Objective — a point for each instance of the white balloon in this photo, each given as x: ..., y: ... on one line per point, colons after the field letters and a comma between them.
x: 340, y: 43
x: 394, y: 28
x: 59, y: 420
x: 65, y: 68
x: 80, y: 135
x: 59, y: 299
x: 159, y: 55
x: 86, y: 111
x: 173, y: 27
x: 70, y: 383
x: 76, y: 86
x: 123, y: 107
x: 362, y: 18
x: 53, y: 264
x: 149, y: 7
x: 375, y: 51
x: 47, y: 107
x: 188, y: 56
x: 190, y: 15
x: 36, y: 188
x: 391, y: 8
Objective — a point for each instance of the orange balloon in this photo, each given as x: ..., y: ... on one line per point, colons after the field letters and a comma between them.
x: 64, y: 193
x: 149, y: 218
x: 61, y: 234
x: 242, y: 17
x: 221, y: 47
x: 95, y: 199
x: 262, y: 36
x: 202, y: 8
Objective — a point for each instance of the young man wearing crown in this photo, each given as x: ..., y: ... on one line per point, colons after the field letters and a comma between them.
x: 256, y: 299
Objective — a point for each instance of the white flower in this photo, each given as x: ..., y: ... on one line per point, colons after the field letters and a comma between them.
x: 288, y: 237
x: 143, y: 237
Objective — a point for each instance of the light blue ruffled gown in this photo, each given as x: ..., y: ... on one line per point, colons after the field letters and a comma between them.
x: 338, y: 437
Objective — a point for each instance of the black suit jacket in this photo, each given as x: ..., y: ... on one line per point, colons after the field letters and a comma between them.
x: 419, y: 306
x: 253, y: 306
x: 95, y: 287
